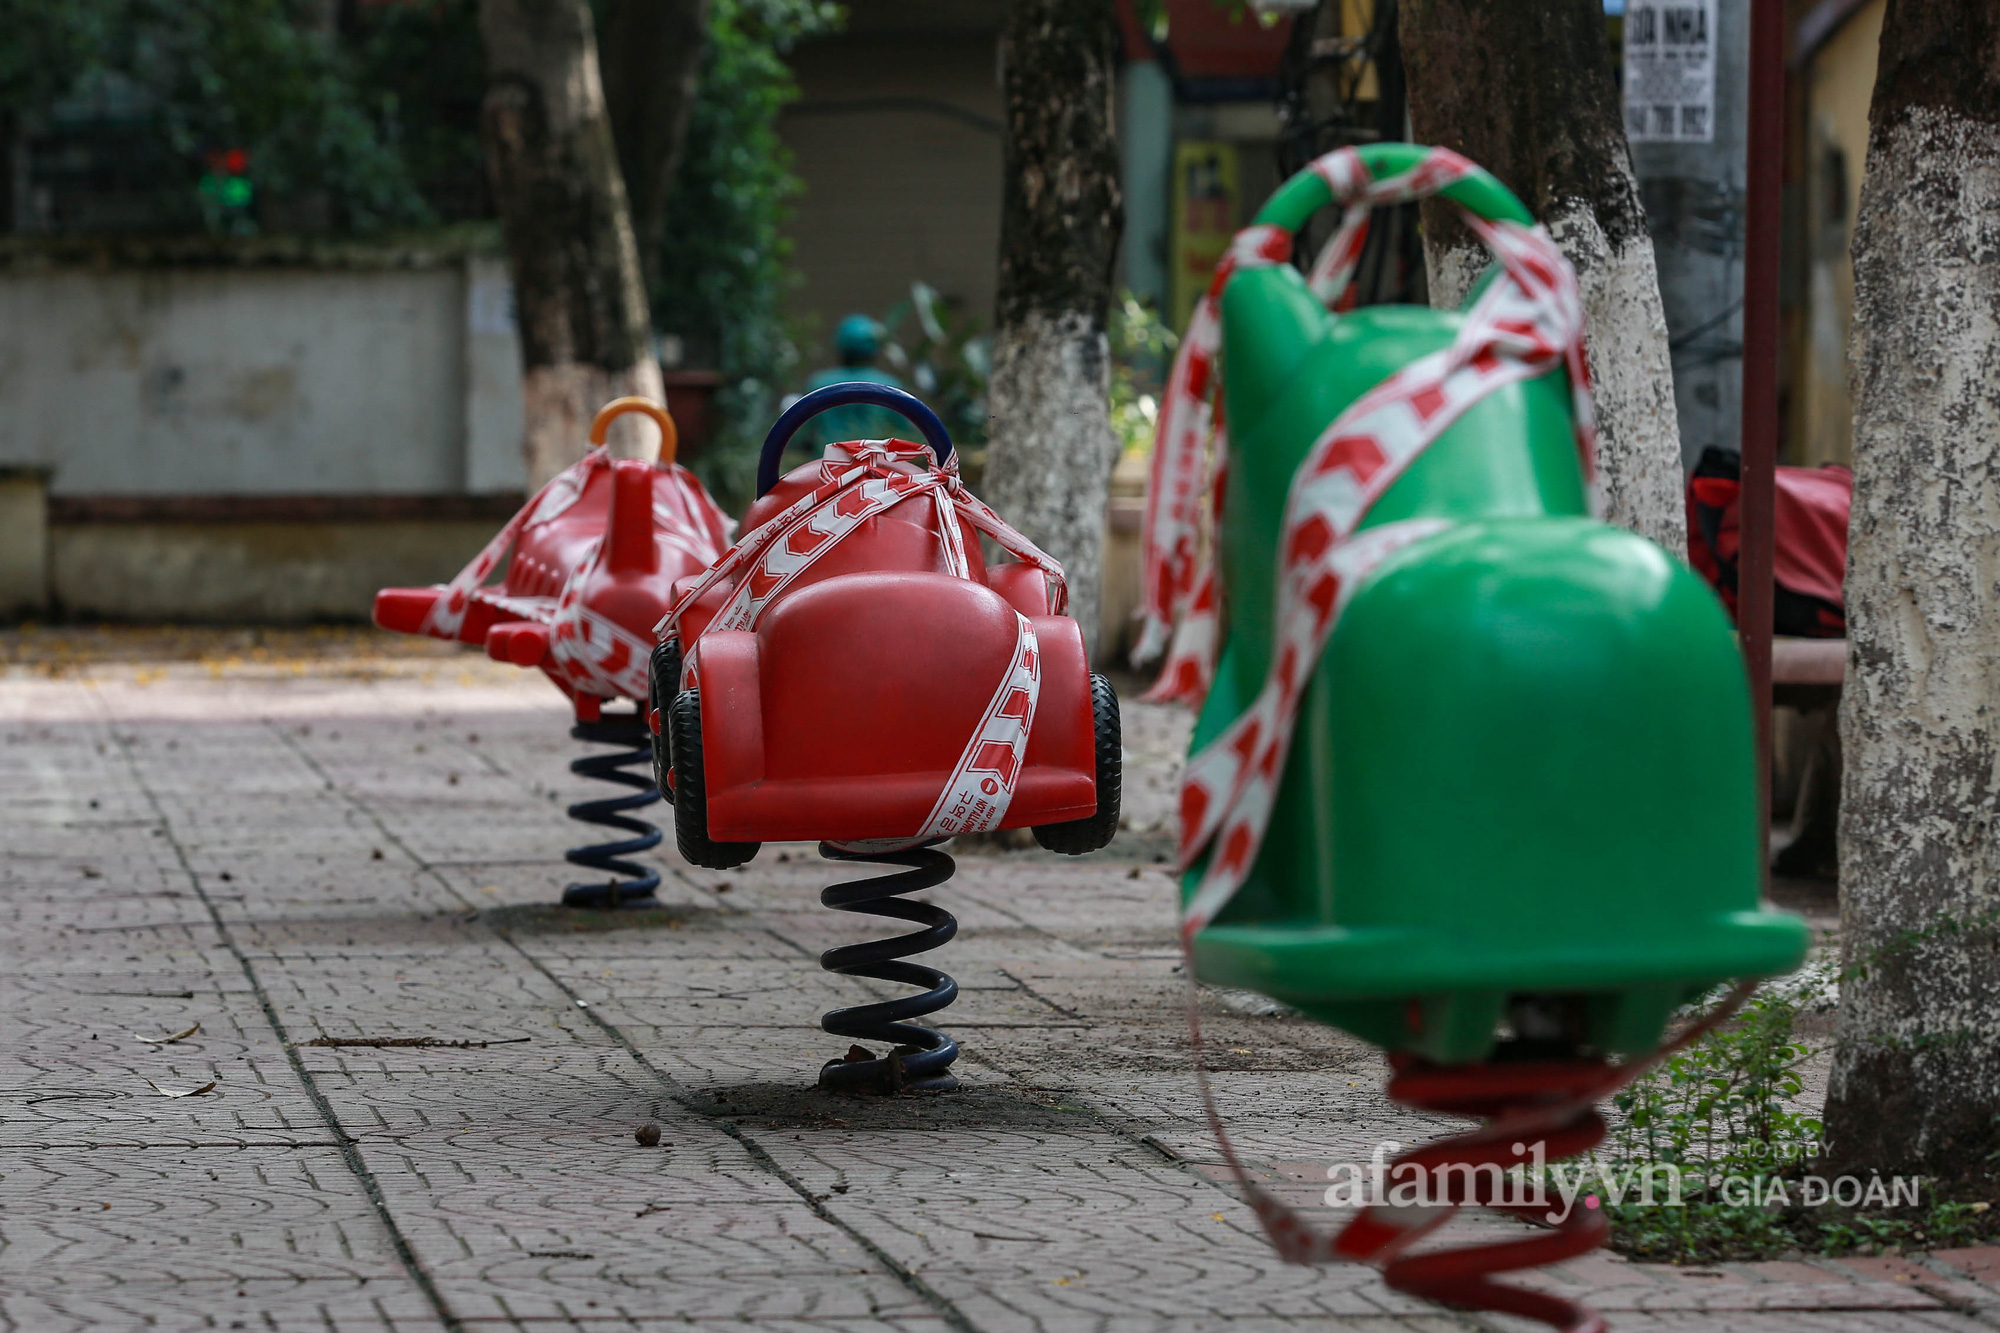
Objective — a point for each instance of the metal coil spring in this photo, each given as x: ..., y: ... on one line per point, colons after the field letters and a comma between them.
x: 636, y: 752
x: 920, y: 1058
x: 1496, y: 1092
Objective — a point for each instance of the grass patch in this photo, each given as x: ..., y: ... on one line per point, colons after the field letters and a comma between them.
x: 1721, y: 1116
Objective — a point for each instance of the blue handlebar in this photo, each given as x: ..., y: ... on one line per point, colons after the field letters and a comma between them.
x: 850, y: 393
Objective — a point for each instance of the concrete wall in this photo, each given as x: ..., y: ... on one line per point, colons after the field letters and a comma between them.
x: 897, y: 137
x: 1145, y: 156
x: 249, y: 572
x: 261, y: 381
x: 160, y: 424
x: 24, y: 543
x: 495, y: 426
x: 1840, y: 82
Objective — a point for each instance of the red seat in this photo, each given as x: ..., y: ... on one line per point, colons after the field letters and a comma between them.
x: 845, y: 711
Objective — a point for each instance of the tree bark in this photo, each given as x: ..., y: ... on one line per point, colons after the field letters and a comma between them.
x: 579, y: 300
x: 1051, y: 448
x: 1916, y: 1077
x: 1321, y: 109
x: 652, y: 65
x: 1524, y: 88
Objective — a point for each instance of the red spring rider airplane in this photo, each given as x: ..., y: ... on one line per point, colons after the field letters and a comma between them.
x: 595, y: 556
x: 856, y: 673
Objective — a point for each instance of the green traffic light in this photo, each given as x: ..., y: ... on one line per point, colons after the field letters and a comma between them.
x: 228, y: 191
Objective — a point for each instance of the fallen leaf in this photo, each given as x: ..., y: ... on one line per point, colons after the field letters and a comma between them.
x: 166, y: 1041
x: 184, y: 1092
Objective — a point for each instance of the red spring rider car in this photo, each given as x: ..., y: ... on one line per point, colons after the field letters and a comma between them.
x: 857, y: 673
x: 594, y: 559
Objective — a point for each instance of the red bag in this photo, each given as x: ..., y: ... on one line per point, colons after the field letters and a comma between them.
x: 1810, y: 566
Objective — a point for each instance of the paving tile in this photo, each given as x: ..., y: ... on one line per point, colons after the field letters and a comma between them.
x: 373, y: 855
x: 1981, y: 1263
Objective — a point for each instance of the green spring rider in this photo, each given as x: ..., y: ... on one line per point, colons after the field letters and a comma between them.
x: 1516, y: 828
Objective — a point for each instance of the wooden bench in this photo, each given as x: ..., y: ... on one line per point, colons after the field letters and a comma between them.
x: 1806, y: 673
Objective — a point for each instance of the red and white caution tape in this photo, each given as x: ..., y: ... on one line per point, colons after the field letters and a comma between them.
x: 1227, y: 789
x: 858, y: 481
x: 1177, y: 591
x: 447, y: 613
x: 1383, y: 1234
x: 981, y: 785
x: 1526, y: 323
x: 1180, y: 602
x: 591, y: 653
x: 594, y: 654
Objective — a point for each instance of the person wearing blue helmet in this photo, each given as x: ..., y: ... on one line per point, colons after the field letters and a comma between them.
x: 857, y: 340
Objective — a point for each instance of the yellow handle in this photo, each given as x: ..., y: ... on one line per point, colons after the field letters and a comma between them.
x: 618, y: 407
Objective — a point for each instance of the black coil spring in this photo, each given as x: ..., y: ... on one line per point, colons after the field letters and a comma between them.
x: 920, y: 1058
x: 638, y: 887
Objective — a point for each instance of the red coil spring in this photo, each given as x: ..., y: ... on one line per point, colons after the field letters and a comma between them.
x: 1516, y: 1099
x: 1524, y: 1102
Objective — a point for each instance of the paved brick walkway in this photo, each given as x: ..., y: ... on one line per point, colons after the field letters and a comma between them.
x: 363, y: 849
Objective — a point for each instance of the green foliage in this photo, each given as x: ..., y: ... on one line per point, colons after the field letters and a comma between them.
x: 210, y: 76
x: 945, y: 358
x: 725, y: 263
x: 1717, y: 1110
x: 1142, y: 348
x: 1724, y: 1110
x: 242, y: 74
x: 421, y: 63
x: 49, y: 45
x: 1723, y: 1105
x: 1152, y: 15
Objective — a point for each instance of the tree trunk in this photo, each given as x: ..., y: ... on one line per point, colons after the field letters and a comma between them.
x: 652, y: 64
x: 1051, y: 447
x: 1916, y: 1077
x: 578, y: 298
x: 1524, y: 88
x: 1321, y: 108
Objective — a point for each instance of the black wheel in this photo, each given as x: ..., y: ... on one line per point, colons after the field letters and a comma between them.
x: 1094, y: 832
x: 663, y: 682
x: 691, y: 797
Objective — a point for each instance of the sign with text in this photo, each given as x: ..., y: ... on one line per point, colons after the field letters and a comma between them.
x: 1670, y: 71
